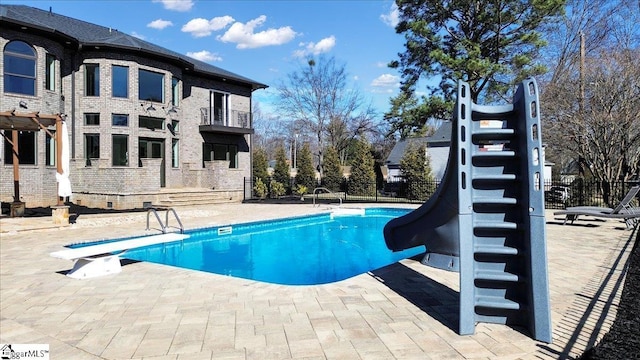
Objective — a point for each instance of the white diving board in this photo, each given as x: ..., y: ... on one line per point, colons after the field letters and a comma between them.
x: 98, y: 260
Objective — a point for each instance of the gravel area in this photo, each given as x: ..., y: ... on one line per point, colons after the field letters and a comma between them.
x: 623, y: 339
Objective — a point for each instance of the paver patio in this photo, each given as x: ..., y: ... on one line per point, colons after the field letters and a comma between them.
x: 403, y: 311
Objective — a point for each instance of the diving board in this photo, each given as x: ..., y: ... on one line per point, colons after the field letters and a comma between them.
x: 98, y: 260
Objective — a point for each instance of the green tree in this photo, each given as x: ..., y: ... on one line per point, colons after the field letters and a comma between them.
x: 415, y: 166
x: 363, y: 177
x: 260, y: 165
x: 281, y: 172
x: 306, y: 173
x: 490, y: 44
x: 332, y: 170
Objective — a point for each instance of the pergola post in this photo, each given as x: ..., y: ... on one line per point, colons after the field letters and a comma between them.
x: 59, y: 157
x: 16, y: 166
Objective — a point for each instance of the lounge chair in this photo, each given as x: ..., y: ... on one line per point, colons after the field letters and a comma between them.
x: 624, y: 210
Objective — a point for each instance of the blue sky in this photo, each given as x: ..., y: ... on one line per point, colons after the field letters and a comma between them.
x: 262, y: 40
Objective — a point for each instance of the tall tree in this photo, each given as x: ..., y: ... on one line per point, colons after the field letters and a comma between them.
x: 332, y: 170
x: 281, y: 171
x: 362, y: 180
x: 603, y: 132
x: 319, y: 97
x: 260, y: 165
x: 490, y: 44
x: 415, y: 166
x: 306, y: 173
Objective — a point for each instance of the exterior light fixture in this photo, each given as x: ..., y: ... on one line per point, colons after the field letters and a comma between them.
x: 23, y: 104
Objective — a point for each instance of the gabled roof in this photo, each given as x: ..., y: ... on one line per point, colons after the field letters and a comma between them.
x: 442, y: 137
x: 84, y: 34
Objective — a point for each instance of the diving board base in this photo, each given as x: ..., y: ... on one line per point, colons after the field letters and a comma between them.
x: 102, y: 259
x: 91, y: 267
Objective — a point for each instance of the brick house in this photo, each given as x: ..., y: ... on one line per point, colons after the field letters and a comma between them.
x: 145, y: 123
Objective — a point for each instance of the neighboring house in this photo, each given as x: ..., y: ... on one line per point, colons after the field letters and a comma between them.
x: 143, y: 120
x: 437, y: 150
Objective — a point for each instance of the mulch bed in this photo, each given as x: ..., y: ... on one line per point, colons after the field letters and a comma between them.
x: 623, y: 339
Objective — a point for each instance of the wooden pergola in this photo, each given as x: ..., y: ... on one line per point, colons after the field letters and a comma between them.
x: 15, y: 122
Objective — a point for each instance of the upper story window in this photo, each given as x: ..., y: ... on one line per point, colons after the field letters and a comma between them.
x: 91, y: 118
x: 219, y: 105
x: 175, y: 92
x: 91, y: 80
x: 150, y: 86
x: 150, y: 123
x: 50, y: 72
x: 19, y: 68
x: 119, y: 120
x: 120, y: 81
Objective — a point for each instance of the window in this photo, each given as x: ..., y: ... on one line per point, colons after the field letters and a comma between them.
x: 50, y: 72
x: 92, y: 80
x: 91, y: 119
x: 175, y: 92
x: 26, y: 147
x: 119, y: 120
x: 120, y: 81
x: 150, y: 123
x: 19, y: 68
x: 219, y: 107
x: 150, y: 86
x: 220, y: 152
x: 175, y: 151
x: 120, y: 155
x: 91, y: 147
x: 50, y: 146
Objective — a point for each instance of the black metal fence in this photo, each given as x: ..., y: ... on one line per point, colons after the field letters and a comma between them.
x: 558, y: 195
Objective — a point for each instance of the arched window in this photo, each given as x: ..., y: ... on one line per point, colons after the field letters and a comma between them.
x: 19, y: 68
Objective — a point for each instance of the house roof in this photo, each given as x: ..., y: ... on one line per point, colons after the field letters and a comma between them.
x: 442, y: 137
x: 82, y: 34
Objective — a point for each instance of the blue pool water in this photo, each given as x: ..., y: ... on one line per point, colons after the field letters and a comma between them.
x: 293, y: 251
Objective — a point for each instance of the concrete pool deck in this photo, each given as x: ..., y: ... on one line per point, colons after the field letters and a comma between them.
x: 403, y: 311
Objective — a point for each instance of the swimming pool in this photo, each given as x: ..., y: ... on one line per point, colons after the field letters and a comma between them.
x: 304, y: 250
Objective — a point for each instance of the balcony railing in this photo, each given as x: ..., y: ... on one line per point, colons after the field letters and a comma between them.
x: 239, y: 119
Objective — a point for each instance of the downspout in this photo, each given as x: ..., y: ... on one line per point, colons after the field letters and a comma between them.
x: 73, y: 102
x: 250, y: 191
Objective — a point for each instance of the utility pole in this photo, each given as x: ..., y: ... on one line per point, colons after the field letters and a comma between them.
x: 581, y: 104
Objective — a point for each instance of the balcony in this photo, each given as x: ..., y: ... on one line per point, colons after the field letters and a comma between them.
x: 237, y: 123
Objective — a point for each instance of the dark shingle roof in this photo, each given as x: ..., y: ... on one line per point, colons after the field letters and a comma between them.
x: 442, y: 137
x: 88, y: 34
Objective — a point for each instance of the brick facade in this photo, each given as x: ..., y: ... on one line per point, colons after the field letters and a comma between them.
x: 96, y: 182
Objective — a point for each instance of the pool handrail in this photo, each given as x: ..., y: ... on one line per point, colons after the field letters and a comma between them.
x: 164, y: 225
x: 315, y: 195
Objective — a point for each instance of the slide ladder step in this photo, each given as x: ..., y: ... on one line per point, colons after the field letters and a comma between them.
x: 496, y: 250
x: 494, y: 275
x: 496, y: 154
x: 495, y: 177
x: 498, y: 225
x: 492, y: 134
x: 497, y: 303
x: 495, y: 200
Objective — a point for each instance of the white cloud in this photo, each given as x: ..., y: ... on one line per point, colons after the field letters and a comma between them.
x: 381, y: 64
x: 356, y: 78
x: 205, y: 56
x: 245, y: 37
x: 385, y: 83
x: 176, y: 5
x: 200, y: 27
x: 393, y: 17
x: 322, y: 46
x: 159, y: 24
